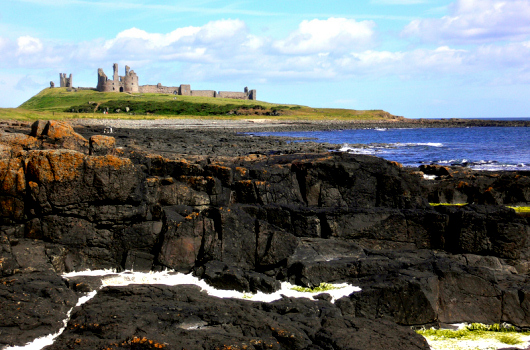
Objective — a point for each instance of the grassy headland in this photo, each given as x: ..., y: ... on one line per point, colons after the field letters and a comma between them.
x: 58, y: 103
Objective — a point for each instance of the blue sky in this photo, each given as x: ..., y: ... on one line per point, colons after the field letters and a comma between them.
x: 415, y: 58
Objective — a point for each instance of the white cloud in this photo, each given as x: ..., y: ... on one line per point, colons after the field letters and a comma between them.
x: 476, y: 21
x: 215, y: 31
x: 319, y: 50
x: 28, y: 45
x: 153, y: 40
x: 331, y: 35
x: 214, y: 39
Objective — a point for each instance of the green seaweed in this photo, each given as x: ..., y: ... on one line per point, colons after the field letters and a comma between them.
x: 503, y: 333
x: 323, y: 287
x: 510, y: 339
x: 521, y: 209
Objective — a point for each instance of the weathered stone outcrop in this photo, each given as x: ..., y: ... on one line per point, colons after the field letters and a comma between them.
x: 182, y: 317
x: 247, y: 223
x: 461, y: 185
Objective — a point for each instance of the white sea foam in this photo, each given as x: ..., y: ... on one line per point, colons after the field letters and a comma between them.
x: 413, y: 144
x: 369, y: 150
x: 172, y: 279
x: 112, y: 278
x: 41, y: 342
x: 89, y: 273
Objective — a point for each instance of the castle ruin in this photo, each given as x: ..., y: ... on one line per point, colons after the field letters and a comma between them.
x: 129, y: 83
x: 64, y: 81
x: 126, y: 83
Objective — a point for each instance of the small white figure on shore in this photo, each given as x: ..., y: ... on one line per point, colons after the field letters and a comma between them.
x: 107, y: 130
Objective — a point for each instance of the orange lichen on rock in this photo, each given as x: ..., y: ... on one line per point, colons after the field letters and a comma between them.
x: 101, y: 140
x: 51, y: 165
x: 108, y: 161
x: 399, y: 165
x: 60, y: 134
x: 101, y: 145
x: 12, y: 178
x: 9, y: 206
x: 242, y: 172
x: 58, y: 129
x: 462, y: 184
x: 144, y: 341
x: 19, y: 141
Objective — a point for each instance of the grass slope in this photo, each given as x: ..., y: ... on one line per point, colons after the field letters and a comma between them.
x: 52, y: 104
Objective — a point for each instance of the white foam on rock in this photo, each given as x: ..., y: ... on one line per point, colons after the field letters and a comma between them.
x: 41, y: 342
x: 112, y: 278
x: 172, y: 279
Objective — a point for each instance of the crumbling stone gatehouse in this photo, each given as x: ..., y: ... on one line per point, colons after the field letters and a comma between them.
x: 126, y: 83
x: 129, y: 83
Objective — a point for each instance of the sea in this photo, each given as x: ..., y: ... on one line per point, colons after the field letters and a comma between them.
x: 479, y: 148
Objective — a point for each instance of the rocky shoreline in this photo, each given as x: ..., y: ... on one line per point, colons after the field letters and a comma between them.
x: 245, y: 212
x: 246, y: 125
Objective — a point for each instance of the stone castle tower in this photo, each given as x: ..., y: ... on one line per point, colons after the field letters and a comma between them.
x: 64, y: 81
x: 126, y: 83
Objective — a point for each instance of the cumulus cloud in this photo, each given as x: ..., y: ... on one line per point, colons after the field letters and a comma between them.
x: 318, y: 50
x: 188, y: 43
x: 28, y: 45
x: 324, y: 36
x: 476, y: 21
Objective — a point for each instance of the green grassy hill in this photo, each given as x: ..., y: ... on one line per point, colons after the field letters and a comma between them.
x: 58, y: 103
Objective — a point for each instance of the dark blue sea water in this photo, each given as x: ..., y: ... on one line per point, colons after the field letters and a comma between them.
x: 484, y: 148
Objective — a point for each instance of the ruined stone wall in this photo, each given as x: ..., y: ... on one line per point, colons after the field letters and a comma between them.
x: 158, y: 89
x: 204, y: 93
x: 185, y: 90
x: 234, y: 95
x: 109, y: 86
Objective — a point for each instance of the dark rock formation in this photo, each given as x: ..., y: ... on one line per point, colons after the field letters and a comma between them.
x: 182, y: 317
x: 246, y: 223
x: 461, y: 185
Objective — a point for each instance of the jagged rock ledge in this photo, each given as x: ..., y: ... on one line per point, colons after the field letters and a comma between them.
x: 246, y: 222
